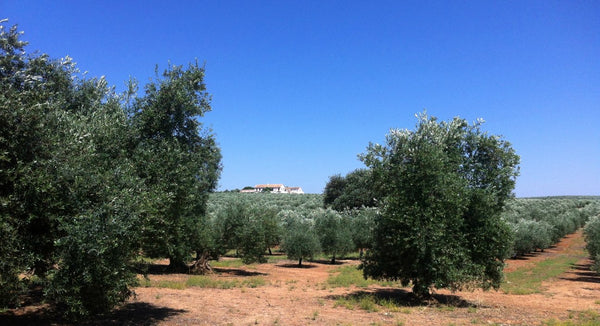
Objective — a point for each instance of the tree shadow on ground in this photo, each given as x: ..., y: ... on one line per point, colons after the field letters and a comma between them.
x: 159, y: 269
x: 135, y: 313
x: 236, y: 272
x: 152, y: 269
x: 327, y: 262
x: 404, y: 298
x: 533, y: 254
x: 297, y: 266
x: 583, y: 273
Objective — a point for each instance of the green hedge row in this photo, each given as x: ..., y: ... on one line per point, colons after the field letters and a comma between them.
x: 538, y: 223
x: 592, y: 239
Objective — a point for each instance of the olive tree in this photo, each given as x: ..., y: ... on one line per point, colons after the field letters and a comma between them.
x: 67, y: 183
x: 445, y: 185
x: 87, y: 179
x: 18, y: 150
x: 333, y: 189
x: 178, y: 161
x: 592, y: 239
x: 101, y: 235
x: 32, y: 193
x: 334, y: 232
x: 362, y: 223
x: 300, y: 241
x: 355, y: 190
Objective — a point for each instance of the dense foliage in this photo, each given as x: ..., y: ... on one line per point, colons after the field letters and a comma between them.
x: 89, y: 177
x: 538, y: 223
x: 300, y: 240
x: 251, y: 224
x: 355, y: 190
x: 178, y: 164
x: 335, y: 233
x: 446, y: 184
x: 247, y: 228
x: 592, y: 238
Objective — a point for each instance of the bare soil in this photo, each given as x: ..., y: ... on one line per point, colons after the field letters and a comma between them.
x: 299, y: 296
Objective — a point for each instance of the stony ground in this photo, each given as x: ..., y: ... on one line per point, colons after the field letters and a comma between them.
x: 300, y: 296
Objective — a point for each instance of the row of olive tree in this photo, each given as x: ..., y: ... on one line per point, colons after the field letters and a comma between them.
x: 538, y: 223
x: 278, y: 202
x: 333, y: 233
x: 252, y: 229
x: 89, y: 177
x: 592, y: 239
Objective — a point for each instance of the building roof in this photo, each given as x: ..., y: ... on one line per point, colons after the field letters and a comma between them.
x: 278, y: 185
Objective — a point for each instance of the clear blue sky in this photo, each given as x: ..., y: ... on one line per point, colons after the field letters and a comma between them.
x: 301, y: 87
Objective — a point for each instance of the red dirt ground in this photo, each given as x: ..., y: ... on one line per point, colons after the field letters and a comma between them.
x: 298, y: 296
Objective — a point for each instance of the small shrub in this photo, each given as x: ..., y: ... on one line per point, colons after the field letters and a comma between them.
x: 392, y: 306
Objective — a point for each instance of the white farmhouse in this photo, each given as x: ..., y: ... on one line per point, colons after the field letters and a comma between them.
x: 276, y: 188
x: 294, y: 190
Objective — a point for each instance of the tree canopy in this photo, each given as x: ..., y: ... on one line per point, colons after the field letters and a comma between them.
x: 88, y: 177
x: 334, y: 232
x: 355, y: 190
x: 178, y: 162
x: 445, y: 184
x: 300, y: 240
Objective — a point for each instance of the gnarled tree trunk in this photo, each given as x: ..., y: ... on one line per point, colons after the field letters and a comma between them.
x: 201, y: 265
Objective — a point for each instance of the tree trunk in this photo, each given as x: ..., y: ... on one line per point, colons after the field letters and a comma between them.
x: 333, y: 260
x: 270, y: 253
x: 300, y: 262
x: 201, y: 265
x: 420, y: 290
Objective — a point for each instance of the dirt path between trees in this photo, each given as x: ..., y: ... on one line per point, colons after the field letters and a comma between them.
x: 300, y: 296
